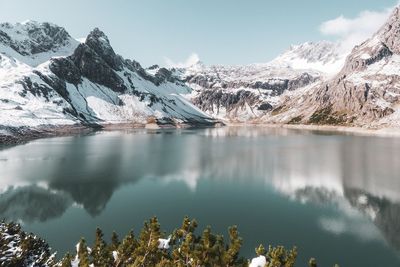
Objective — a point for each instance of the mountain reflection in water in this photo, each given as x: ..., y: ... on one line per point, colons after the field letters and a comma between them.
x: 360, y: 175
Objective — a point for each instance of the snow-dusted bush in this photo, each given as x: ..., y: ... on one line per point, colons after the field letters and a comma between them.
x: 183, y: 247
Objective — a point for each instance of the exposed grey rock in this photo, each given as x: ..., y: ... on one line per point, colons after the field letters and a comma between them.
x: 265, y: 107
x: 94, y: 67
x: 234, y: 104
x: 267, y: 82
x: 164, y: 75
x: 239, y: 91
x: 153, y: 67
x: 364, y: 92
x: 276, y: 85
x: 390, y: 32
x: 86, y: 83
x: 99, y: 42
x: 66, y: 69
x: 42, y: 37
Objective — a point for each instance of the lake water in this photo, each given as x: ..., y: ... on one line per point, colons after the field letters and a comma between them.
x: 336, y: 197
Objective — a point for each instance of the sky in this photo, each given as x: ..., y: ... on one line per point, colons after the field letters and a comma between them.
x: 178, y: 32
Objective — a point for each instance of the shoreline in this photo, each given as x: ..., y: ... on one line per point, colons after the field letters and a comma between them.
x: 20, y: 135
x: 10, y: 136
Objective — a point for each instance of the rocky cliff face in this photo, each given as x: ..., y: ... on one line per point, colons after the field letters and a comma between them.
x: 365, y: 92
x: 48, y: 78
x: 312, y: 83
x: 241, y: 101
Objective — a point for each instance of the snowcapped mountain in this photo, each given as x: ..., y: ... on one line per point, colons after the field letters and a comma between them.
x: 34, y: 43
x: 49, y: 78
x: 364, y: 93
x: 244, y: 93
x: 325, y: 57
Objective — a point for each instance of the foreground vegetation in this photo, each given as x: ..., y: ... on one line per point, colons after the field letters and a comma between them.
x: 151, y: 248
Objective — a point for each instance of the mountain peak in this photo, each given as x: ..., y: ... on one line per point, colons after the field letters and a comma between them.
x: 34, y: 42
x: 323, y: 56
x: 99, y: 42
x: 99, y: 35
x: 322, y: 51
x: 382, y: 45
x: 29, y: 21
x: 389, y: 34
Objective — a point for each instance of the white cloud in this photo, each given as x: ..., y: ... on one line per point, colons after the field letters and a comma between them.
x: 190, y: 61
x: 353, y: 31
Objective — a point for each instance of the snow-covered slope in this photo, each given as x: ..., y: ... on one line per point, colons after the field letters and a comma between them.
x: 322, y: 56
x: 246, y: 93
x: 48, y: 78
x: 242, y: 93
x: 34, y: 43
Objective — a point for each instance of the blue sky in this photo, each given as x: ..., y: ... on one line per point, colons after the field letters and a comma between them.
x: 220, y: 32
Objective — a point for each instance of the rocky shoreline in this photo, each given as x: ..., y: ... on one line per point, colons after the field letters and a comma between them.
x: 20, y: 135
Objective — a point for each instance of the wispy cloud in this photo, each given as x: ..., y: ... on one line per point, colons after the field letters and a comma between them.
x: 190, y: 61
x: 353, y: 31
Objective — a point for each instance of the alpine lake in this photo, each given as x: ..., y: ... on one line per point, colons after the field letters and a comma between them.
x: 334, y: 196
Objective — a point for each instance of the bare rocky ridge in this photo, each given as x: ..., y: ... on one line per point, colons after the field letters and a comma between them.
x: 245, y: 100
x: 243, y: 93
x: 365, y: 92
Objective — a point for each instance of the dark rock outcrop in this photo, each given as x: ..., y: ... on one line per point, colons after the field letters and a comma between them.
x: 213, y: 100
x: 99, y: 42
x: 66, y: 69
x: 94, y: 60
x: 96, y: 69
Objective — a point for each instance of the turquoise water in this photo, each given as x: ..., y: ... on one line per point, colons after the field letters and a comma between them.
x: 336, y: 197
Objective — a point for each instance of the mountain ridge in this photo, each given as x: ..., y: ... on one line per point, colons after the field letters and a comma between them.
x: 245, y: 93
x: 365, y: 92
x: 50, y: 79
x: 88, y: 84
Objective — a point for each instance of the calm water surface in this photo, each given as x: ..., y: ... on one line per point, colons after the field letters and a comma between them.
x: 334, y: 196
